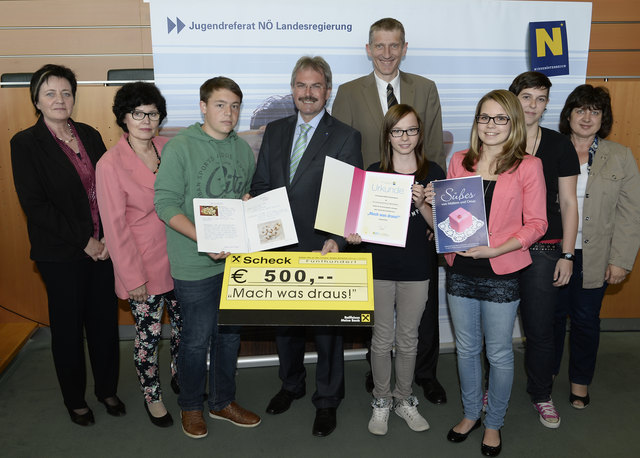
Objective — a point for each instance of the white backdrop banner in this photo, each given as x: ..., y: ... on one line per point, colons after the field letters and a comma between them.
x: 468, y: 47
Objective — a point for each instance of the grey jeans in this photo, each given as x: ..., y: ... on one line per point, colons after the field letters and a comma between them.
x: 408, y: 300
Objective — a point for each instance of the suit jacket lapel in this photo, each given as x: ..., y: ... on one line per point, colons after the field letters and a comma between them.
x: 370, y: 94
x: 407, y: 90
x: 49, y: 145
x: 314, y: 146
x: 287, y: 136
x: 599, y: 160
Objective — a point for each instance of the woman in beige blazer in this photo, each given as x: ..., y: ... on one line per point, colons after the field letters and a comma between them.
x: 608, y: 239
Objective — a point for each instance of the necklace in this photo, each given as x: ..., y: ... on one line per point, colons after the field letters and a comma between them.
x: 488, y: 185
x: 533, y: 150
x: 154, y: 150
x: 73, y: 137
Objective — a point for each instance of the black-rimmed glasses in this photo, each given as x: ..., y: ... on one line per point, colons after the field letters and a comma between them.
x: 139, y: 115
x: 499, y: 120
x: 411, y: 132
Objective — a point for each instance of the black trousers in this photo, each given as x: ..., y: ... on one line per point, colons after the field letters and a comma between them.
x: 329, y: 369
x: 81, y: 298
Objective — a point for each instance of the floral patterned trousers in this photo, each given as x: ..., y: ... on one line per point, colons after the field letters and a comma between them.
x: 148, y: 316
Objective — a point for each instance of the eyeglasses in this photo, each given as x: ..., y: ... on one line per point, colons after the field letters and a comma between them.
x: 139, y: 115
x: 499, y: 120
x: 411, y: 132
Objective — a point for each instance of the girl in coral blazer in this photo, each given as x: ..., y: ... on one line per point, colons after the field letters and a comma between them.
x: 482, y: 282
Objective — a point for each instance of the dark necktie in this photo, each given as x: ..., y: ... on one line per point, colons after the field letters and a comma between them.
x: 391, y: 98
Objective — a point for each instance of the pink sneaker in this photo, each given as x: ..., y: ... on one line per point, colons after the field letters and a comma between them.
x: 485, y: 400
x: 549, y: 416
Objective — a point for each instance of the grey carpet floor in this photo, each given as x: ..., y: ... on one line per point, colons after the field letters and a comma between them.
x: 34, y: 422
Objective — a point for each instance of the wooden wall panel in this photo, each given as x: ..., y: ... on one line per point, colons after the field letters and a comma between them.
x: 613, y: 10
x: 615, y: 36
x: 613, y: 63
x: 36, y: 42
x: 80, y: 13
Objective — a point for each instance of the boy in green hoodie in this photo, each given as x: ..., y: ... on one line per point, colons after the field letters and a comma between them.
x: 206, y: 160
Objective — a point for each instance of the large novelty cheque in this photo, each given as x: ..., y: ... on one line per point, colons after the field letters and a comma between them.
x: 297, y: 288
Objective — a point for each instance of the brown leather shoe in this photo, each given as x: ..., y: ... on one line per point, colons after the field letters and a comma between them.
x: 193, y: 424
x: 237, y: 415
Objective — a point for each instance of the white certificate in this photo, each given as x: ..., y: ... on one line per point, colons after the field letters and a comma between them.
x: 373, y: 204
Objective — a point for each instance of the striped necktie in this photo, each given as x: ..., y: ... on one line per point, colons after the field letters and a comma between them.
x: 391, y: 98
x: 298, y: 150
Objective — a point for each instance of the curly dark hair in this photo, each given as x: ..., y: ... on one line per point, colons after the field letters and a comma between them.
x: 591, y: 98
x: 132, y: 95
x: 43, y: 74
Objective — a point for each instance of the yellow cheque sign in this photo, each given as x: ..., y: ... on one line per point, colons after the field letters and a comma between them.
x: 293, y: 288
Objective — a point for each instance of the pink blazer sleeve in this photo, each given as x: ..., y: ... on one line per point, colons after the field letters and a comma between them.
x: 127, y: 261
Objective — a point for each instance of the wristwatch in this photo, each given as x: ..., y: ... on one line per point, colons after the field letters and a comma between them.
x: 568, y: 256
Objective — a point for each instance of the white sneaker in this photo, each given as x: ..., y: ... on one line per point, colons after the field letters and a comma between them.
x: 380, y: 416
x: 406, y: 408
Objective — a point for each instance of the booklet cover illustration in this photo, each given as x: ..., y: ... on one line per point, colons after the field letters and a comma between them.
x: 459, y: 214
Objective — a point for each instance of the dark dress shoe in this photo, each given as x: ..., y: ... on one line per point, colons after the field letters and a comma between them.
x: 174, y: 385
x: 163, y: 422
x: 368, y: 382
x: 84, y: 419
x: 117, y: 410
x: 433, y: 391
x: 282, y: 401
x: 488, y: 450
x: 453, y: 436
x: 325, y: 422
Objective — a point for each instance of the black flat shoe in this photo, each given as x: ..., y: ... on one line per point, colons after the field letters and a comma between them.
x: 325, y: 422
x: 174, y: 385
x: 163, y: 422
x: 488, y: 450
x: 117, y: 410
x: 84, y: 419
x: 584, y: 399
x: 453, y: 436
x: 282, y: 401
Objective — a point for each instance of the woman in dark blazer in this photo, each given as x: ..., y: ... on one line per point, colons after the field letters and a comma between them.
x: 54, y: 174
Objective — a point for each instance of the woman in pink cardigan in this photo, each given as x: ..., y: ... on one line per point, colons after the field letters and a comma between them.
x: 482, y: 282
x: 135, y: 236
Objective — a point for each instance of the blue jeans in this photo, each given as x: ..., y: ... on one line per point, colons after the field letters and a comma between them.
x: 538, y: 299
x: 583, y: 308
x: 471, y: 319
x: 199, y: 301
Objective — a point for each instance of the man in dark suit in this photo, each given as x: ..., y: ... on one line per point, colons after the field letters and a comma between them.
x: 362, y: 103
x: 292, y: 154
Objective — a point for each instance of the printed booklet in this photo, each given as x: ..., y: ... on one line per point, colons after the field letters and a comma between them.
x: 459, y: 216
